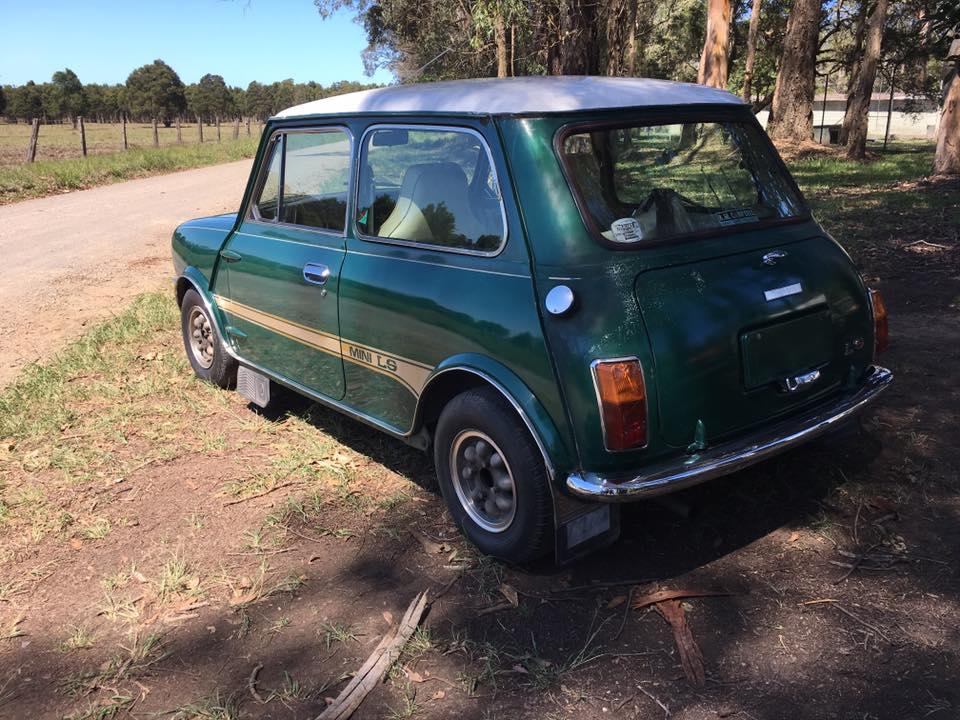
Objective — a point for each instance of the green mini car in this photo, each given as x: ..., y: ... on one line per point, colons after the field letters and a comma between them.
x: 574, y: 291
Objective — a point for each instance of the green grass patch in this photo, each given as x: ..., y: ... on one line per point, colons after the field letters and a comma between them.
x: 49, y: 177
x: 43, y: 400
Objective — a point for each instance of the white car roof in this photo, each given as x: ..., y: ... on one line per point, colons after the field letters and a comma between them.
x: 515, y: 96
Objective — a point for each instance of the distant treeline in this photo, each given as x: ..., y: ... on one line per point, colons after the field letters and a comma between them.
x: 155, y: 92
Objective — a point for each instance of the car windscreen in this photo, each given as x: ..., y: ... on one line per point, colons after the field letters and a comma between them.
x: 648, y: 183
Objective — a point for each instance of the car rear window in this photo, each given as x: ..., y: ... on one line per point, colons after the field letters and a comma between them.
x: 646, y: 183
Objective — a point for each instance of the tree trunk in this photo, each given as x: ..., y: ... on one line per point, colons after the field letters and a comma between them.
x: 859, y: 34
x: 716, y: 47
x: 156, y: 134
x: 791, y: 115
x: 179, y: 132
x: 947, y: 159
x: 199, y: 129
x: 630, y: 54
x: 578, y: 46
x: 857, y: 117
x: 218, y: 128
x: 123, y: 129
x: 620, y: 37
x: 500, y: 39
x: 751, y: 50
x: 83, y: 135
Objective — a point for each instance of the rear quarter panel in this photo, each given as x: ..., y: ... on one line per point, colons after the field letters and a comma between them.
x: 606, y: 321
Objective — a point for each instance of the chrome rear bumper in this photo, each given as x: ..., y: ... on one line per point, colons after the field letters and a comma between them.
x: 724, y: 459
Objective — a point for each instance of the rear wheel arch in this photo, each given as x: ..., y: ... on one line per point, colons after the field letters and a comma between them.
x: 455, y: 377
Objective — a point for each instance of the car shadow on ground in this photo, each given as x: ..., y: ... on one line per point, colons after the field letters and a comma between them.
x: 660, y: 538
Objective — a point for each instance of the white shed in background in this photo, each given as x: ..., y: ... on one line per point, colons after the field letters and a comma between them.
x: 912, y: 117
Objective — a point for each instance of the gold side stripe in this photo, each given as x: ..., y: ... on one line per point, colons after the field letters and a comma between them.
x: 239, y: 308
x: 409, y: 373
x: 315, y: 339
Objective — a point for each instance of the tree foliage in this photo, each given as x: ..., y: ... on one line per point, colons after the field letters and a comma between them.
x: 156, y: 91
x: 66, y: 97
x: 210, y: 98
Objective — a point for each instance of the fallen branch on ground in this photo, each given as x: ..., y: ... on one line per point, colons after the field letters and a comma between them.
x: 661, y: 595
x: 372, y: 672
x: 667, y: 603
x: 260, y: 494
x: 252, y: 684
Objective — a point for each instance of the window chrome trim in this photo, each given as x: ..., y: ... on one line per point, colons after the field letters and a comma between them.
x: 280, y: 134
x: 596, y: 390
x: 412, y: 243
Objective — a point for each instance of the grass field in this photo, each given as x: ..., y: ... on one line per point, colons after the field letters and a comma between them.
x: 60, y: 167
x: 168, y: 551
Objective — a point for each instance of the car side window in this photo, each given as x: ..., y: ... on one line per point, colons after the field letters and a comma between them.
x: 269, y: 198
x: 430, y: 186
x: 314, y: 171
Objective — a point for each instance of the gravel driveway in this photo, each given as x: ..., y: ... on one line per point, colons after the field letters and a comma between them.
x: 70, y: 260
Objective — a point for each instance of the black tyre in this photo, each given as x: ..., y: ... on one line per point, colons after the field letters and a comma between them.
x: 203, y: 343
x: 492, y: 477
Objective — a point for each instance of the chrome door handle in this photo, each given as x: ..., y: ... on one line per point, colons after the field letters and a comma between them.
x: 316, y: 274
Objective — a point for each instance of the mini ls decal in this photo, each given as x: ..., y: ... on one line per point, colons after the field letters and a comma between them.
x: 409, y: 373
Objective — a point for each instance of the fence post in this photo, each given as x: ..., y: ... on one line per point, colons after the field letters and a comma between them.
x: 200, y: 128
x: 156, y: 134
x: 248, y: 126
x: 236, y: 128
x: 123, y: 129
x: 83, y: 135
x: 179, y: 132
x: 217, y: 120
x: 32, y: 147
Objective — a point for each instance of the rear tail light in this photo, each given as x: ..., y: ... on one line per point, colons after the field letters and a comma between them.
x: 622, y: 395
x: 881, y: 330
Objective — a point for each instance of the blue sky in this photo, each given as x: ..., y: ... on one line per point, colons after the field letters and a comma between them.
x: 243, y: 40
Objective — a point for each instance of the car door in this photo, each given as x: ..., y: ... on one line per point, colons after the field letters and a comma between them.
x: 278, y: 281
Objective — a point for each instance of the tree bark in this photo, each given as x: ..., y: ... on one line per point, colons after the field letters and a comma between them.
x: 716, y: 46
x: 856, y: 119
x: 620, y: 55
x: 578, y: 46
x: 500, y: 39
x: 751, y: 50
x: 947, y: 158
x: 791, y: 115
x: 859, y: 34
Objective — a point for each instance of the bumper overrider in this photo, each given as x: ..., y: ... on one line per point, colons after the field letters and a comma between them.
x: 729, y: 457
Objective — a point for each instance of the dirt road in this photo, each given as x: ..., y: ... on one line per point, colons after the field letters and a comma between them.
x: 71, y: 260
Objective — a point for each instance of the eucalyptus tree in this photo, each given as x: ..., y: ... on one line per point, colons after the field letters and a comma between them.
x: 791, y: 115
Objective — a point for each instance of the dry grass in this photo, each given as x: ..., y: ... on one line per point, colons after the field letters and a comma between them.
x: 61, y: 142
